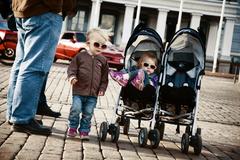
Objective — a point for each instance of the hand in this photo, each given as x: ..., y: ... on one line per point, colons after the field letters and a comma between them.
x: 73, y: 81
x: 100, y: 93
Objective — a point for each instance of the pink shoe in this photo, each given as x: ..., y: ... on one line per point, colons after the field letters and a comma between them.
x: 72, y: 132
x: 84, y: 136
x: 138, y: 81
x: 118, y: 77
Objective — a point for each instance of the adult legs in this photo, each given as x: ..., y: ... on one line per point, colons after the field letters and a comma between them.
x: 38, y: 39
x: 43, y: 108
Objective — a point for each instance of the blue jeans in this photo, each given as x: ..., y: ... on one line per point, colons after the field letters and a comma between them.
x: 84, y: 105
x: 37, y: 40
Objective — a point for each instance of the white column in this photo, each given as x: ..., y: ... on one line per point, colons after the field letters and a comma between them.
x: 212, y: 38
x: 127, y: 24
x: 161, y: 23
x: 195, y: 21
x: 95, y: 12
x: 64, y: 25
x: 227, y: 37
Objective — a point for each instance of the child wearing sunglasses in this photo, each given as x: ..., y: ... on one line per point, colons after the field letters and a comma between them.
x: 88, y: 75
x: 141, y: 75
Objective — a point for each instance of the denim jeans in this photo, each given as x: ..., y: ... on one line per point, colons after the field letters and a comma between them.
x: 37, y: 40
x: 84, y: 105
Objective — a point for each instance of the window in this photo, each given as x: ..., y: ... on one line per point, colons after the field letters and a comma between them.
x: 78, y: 22
x: 108, y: 23
x: 236, y: 39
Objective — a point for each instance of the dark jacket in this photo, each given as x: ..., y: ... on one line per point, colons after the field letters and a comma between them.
x: 91, y: 73
x: 28, y: 8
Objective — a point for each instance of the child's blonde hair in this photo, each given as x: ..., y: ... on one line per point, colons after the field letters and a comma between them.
x: 100, y: 32
x: 147, y: 55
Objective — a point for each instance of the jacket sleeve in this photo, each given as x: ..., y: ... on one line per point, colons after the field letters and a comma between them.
x: 73, y: 67
x: 104, y: 79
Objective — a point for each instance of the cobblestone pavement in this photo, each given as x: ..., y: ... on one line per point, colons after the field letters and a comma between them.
x: 219, y: 118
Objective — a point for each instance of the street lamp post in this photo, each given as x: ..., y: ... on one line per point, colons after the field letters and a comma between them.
x: 179, y: 16
x: 138, y: 13
x: 218, y: 38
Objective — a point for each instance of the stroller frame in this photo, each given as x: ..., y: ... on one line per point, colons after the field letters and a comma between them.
x: 120, y: 116
x: 192, y: 135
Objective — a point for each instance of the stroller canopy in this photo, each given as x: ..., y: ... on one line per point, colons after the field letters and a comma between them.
x: 188, y: 47
x: 142, y: 40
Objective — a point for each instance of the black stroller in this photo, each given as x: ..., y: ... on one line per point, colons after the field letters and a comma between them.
x: 182, y: 67
x: 132, y: 103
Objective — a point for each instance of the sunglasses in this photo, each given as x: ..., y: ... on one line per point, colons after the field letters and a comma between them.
x: 98, y: 45
x: 147, y: 65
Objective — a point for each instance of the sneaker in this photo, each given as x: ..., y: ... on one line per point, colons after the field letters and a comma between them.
x: 84, y: 136
x: 118, y: 76
x: 72, y: 132
x: 138, y: 81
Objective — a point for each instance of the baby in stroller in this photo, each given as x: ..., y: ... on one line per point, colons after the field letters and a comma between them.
x: 139, y: 82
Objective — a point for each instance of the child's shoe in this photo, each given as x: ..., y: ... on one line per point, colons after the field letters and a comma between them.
x: 138, y: 81
x: 118, y: 76
x: 72, y: 132
x: 84, y: 136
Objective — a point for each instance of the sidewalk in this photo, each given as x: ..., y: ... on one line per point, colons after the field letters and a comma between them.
x: 219, y: 118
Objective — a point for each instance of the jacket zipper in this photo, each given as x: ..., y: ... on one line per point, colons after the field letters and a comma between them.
x: 92, y: 75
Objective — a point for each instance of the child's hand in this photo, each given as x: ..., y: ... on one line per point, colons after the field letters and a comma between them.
x: 73, y: 81
x: 100, y: 93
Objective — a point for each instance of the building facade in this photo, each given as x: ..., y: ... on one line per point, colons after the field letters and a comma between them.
x: 118, y: 17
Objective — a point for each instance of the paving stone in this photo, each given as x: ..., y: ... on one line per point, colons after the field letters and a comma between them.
x: 72, y: 155
x: 27, y: 155
x: 111, y: 154
x: 49, y: 157
x: 92, y: 154
x: 218, y: 117
x: 7, y: 155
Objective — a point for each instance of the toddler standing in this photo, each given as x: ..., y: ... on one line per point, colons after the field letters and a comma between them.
x: 88, y: 75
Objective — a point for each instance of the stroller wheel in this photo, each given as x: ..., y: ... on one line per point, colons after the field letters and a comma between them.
x: 154, y: 138
x: 114, y: 130
x: 103, y: 131
x: 142, y: 137
x: 160, y: 127
x: 196, y: 142
x: 185, y: 143
x: 188, y: 130
x: 126, y: 125
x: 199, y: 131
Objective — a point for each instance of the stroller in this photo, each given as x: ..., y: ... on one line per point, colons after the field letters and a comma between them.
x: 182, y: 67
x: 132, y: 103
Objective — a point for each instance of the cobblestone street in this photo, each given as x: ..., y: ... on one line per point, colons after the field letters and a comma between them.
x: 219, y: 118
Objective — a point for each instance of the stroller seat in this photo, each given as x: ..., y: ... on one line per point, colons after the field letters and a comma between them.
x: 179, y: 87
x: 136, y: 99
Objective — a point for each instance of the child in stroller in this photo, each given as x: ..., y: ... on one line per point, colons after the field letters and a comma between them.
x: 139, y: 82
